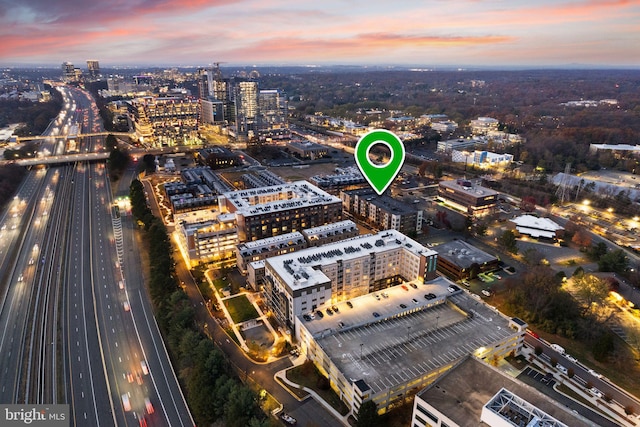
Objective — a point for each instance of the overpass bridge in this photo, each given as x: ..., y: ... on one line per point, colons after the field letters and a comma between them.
x: 20, y: 139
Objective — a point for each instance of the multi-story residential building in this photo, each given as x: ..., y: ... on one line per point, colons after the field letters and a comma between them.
x: 356, y: 341
x: 279, y: 209
x: 300, y: 282
x: 206, y: 235
x: 166, y: 121
x: 464, y: 196
x: 344, y: 179
x: 383, y: 212
x: 249, y: 252
x: 246, y: 102
x: 483, y: 125
x: 474, y: 393
x: 274, y: 110
x: 261, y: 178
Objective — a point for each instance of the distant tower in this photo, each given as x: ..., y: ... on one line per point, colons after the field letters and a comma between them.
x: 247, y: 108
x: 93, y: 66
x: 68, y: 72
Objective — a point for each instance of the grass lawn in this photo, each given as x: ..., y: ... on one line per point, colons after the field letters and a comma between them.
x: 240, y: 309
x: 307, y: 375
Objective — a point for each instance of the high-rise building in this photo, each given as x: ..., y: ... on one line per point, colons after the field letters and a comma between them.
x: 246, y: 97
x: 68, y: 72
x: 93, y: 66
x: 273, y: 109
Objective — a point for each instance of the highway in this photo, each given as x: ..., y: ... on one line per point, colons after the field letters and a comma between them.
x: 73, y: 328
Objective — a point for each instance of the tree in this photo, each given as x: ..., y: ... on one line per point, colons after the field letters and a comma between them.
x: 597, y: 251
x: 508, y: 241
x: 532, y: 256
x: 591, y: 290
x: 615, y: 261
x: 582, y: 238
x: 368, y: 415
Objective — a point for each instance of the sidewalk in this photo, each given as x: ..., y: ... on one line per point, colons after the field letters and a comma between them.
x: 281, y: 377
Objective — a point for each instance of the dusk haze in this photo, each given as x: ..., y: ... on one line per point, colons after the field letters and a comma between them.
x: 597, y: 33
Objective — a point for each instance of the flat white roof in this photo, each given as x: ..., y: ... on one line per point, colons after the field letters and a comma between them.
x: 533, y: 222
x: 334, y: 226
x: 297, y: 194
x: 297, y: 268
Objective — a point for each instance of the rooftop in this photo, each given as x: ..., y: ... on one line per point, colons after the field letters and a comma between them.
x: 297, y: 268
x: 385, y: 202
x: 530, y: 221
x: 334, y: 227
x: 462, y: 393
x: 466, y: 186
x: 404, y: 343
x: 287, y: 196
x: 462, y: 254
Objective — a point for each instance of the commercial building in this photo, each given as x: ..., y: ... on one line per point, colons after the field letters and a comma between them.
x: 474, y: 393
x: 537, y: 227
x: 307, y: 150
x: 446, y: 126
x: 300, y: 282
x: 481, y: 158
x: 387, y: 346
x: 483, y: 125
x: 206, y: 235
x: 383, y: 212
x: 459, y: 144
x: 466, y: 197
x: 93, y: 67
x: 217, y: 157
x: 459, y: 260
x: 279, y: 209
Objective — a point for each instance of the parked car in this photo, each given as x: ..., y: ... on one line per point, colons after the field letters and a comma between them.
x: 562, y: 369
x: 453, y: 288
x: 350, y: 304
x: 486, y: 293
x: 403, y: 306
x: 376, y: 314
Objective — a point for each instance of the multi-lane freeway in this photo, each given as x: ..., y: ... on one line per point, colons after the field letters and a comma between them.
x: 76, y: 325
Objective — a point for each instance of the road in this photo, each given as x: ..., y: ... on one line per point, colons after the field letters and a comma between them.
x: 69, y: 331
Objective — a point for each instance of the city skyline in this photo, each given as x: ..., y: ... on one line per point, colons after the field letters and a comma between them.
x: 595, y: 33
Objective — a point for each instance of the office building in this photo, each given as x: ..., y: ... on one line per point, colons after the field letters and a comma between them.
x: 459, y: 260
x: 483, y: 125
x: 446, y: 126
x: 459, y: 144
x: 307, y: 150
x: 468, y: 198
x: 68, y: 72
x: 279, y: 209
x: 474, y: 393
x: 382, y: 212
x: 93, y: 67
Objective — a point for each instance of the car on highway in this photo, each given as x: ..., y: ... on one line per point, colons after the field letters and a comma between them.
x: 595, y: 374
x: 557, y: 348
x: 562, y: 369
x: 126, y: 306
x: 597, y: 393
x: 121, y: 284
x: 31, y: 261
x: 20, y: 278
x: 126, y: 404
x: 571, y: 358
x: 129, y: 376
x: 148, y: 406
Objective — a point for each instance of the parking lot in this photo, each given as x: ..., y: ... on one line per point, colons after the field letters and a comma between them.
x: 391, y: 350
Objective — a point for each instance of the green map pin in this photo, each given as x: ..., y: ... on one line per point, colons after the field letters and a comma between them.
x: 379, y: 176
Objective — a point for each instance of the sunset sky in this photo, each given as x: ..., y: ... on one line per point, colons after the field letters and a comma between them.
x: 244, y: 32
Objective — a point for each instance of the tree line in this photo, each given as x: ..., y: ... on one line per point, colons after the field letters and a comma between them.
x: 213, y: 392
